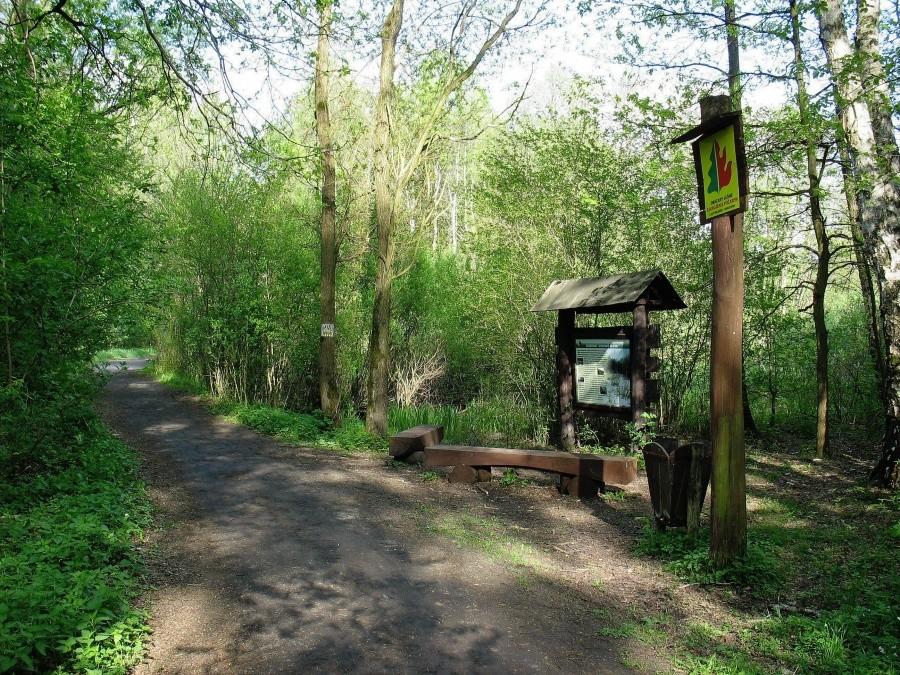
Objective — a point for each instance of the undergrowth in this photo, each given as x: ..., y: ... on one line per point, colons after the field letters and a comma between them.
x: 757, y: 574
x: 487, y: 422
x: 69, y: 569
x: 820, y: 585
x: 312, y: 429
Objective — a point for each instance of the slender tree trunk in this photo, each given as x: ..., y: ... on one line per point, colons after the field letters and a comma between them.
x: 380, y: 339
x: 388, y: 193
x: 329, y: 397
x: 823, y: 247
x: 734, y: 55
x: 869, y: 132
x: 7, y: 337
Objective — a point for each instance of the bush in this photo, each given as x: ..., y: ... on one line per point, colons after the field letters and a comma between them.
x: 308, y: 428
x: 352, y: 435
x: 759, y: 571
x: 69, y: 569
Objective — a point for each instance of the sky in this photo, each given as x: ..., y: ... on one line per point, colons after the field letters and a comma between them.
x: 548, y: 59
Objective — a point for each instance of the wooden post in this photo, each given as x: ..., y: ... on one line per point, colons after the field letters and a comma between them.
x: 565, y: 377
x: 695, y: 488
x: 728, y: 538
x: 639, y: 351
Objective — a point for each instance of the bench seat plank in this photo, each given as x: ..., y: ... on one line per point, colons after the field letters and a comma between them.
x: 602, y: 469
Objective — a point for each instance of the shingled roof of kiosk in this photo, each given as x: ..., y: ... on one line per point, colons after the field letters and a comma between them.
x: 616, y: 293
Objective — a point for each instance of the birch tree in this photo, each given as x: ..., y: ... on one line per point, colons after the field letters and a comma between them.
x: 862, y: 96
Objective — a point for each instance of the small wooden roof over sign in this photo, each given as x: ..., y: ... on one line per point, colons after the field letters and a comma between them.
x: 617, y: 293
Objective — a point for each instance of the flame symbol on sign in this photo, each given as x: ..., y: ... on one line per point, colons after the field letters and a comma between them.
x: 720, y: 168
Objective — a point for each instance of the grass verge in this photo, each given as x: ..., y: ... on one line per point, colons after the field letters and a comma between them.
x: 69, y: 567
x: 818, y: 592
x: 310, y: 429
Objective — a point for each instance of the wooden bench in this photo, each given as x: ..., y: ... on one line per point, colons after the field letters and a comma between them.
x: 580, y: 475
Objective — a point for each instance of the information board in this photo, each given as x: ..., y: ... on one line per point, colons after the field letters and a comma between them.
x: 719, y: 173
x: 603, y: 372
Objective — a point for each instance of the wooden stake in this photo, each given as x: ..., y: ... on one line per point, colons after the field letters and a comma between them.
x: 565, y: 359
x: 695, y: 488
x: 728, y: 538
x: 639, y: 351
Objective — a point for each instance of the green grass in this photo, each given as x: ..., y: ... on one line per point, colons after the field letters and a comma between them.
x: 485, y: 534
x: 176, y: 381
x: 308, y: 429
x: 832, y: 565
x: 493, y: 422
x: 119, y: 354
x: 69, y: 568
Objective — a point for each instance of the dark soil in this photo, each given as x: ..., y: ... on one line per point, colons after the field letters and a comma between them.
x: 275, y: 559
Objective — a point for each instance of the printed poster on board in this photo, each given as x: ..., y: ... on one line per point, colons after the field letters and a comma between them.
x: 719, y: 173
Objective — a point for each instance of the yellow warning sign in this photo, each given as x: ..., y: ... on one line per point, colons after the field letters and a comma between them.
x: 719, y: 173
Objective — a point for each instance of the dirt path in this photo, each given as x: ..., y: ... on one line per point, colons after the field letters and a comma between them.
x: 274, y: 559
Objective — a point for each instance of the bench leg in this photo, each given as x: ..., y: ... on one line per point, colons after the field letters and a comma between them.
x: 470, y: 474
x: 579, y: 486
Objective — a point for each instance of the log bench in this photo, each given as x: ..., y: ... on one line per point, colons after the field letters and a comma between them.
x: 580, y: 475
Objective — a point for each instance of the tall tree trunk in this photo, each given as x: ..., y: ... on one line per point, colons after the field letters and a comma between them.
x: 388, y: 193
x: 823, y: 247
x: 864, y: 271
x: 329, y: 397
x: 380, y: 339
x: 868, y: 129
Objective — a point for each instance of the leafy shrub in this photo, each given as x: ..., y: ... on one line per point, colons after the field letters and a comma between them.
x: 688, y: 558
x: 352, y: 435
x: 68, y: 567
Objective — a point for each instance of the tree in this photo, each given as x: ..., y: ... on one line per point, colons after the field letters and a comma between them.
x: 823, y: 246
x: 329, y: 395
x: 860, y: 91
x: 389, y: 187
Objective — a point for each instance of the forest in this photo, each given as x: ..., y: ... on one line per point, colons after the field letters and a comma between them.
x: 331, y: 220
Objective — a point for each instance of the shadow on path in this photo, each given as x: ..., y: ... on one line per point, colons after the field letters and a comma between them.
x: 279, y: 560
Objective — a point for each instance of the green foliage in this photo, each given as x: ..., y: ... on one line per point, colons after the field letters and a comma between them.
x: 429, y: 476
x: 69, y: 570
x: 177, y: 381
x: 352, y: 435
x: 248, y: 331
x: 511, y: 478
x: 841, y: 571
x: 757, y: 573
x: 312, y: 429
x: 119, y: 354
x: 643, y: 433
x: 70, y: 232
x: 493, y: 422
